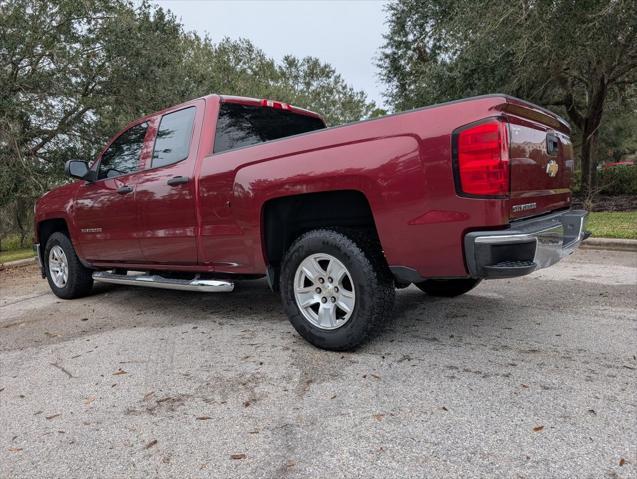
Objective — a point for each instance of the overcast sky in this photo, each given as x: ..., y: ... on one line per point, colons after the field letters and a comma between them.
x: 345, y: 33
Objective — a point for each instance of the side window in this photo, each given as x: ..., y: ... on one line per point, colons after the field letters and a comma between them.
x: 173, y: 137
x: 122, y: 157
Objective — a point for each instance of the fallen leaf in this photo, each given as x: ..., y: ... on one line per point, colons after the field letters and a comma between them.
x: 405, y: 357
x: 592, y: 411
x: 538, y: 428
x: 89, y: 400
x: 333, y: 397
x: 246, y: 404
x: 148, y: 395
x: 203, y: 418
x: 84, y: 319
x: 238, y: 456
x: 444, y: 408
x: 290, y: 464
x: 524, y: 386
x: 375, y: 376
x: 119, y: 372
x: 151, y: 444
x: 378, y: 417
x: 54, y: 416
x: 622, y: 461
x: 15, y: 449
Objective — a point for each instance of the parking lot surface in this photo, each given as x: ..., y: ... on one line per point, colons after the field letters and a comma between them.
x: 526, y: 378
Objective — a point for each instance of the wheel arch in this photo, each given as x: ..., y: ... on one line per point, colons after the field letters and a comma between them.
x: 283, y: 219
x: 45, y: 228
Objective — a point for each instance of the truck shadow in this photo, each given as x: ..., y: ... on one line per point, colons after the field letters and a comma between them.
x: 414, y: 313
x: 416, y: 318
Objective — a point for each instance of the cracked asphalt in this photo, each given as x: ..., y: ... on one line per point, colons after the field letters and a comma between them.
x: 524, y: 378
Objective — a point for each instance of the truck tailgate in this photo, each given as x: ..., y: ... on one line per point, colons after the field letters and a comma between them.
x: 541, y: 163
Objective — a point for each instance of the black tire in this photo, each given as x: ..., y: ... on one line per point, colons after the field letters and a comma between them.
x: 80, y: 279
x: 448, y: 288
x: 372, y: 281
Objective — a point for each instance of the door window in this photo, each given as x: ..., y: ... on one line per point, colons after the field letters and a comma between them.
x: 122, y: 157
x: 173, y: 137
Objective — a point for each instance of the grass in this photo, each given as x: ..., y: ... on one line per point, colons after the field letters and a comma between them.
x: 613, y: 224
x: 16, y: 254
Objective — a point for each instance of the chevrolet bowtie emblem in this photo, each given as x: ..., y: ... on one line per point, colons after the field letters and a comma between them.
x: 552, y: 168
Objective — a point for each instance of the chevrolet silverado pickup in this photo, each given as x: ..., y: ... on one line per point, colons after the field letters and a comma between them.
x: 223, y: 188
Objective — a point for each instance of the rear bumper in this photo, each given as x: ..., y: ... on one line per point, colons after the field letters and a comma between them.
x: 527, y: 246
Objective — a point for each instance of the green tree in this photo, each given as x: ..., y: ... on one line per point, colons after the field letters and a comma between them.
x: 73, y: 73
x: 70, y: 74
x: 575, y: 56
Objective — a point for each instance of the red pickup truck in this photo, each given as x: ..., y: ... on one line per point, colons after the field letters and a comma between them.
x: 223, y: 188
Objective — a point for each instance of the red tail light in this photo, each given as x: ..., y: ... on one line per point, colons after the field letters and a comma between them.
x: 482, y: 159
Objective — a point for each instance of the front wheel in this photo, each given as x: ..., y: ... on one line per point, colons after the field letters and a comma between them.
x: 67, y: 277
x: 448, y: 288
x: 336, y: 288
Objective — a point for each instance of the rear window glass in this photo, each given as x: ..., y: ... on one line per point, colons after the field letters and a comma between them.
x: 173, y: 137
x: 244, y: 125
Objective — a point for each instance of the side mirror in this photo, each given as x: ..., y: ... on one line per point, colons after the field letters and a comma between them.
x: 76, y: 169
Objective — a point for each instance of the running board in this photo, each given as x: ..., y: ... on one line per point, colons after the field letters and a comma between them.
x: 156, y: 281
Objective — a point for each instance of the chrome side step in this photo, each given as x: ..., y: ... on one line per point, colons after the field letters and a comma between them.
x: 156, y: 281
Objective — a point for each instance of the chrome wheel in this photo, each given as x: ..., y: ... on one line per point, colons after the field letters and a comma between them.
x: 324, y: 291
x: 58, y: 266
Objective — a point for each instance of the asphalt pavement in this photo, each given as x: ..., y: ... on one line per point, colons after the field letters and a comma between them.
x: 534, y: 377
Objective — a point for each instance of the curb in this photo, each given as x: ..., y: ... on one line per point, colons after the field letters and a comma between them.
x: 18, y: 263
x: 610, y: 244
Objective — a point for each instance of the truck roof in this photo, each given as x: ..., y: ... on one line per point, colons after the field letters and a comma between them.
x: 243, y: 100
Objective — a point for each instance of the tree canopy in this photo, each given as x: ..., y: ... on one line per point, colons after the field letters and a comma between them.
x: 73, y: 73
x: 574, y: 56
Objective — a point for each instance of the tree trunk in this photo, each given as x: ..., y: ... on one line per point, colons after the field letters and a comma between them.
x: 19, y: 220
x: 590, y: 128
x: 588, y: 164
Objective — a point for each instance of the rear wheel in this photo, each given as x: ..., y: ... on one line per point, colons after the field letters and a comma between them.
x: 448, y: 288
x: 67, y: 277
x: 336, y: 288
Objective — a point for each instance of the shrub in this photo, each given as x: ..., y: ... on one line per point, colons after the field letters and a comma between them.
x: 618, y: 180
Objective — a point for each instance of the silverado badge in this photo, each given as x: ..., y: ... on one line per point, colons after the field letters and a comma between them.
x: 551, y: 168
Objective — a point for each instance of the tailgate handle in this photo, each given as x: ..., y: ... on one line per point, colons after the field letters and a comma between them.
x: 552, y: 143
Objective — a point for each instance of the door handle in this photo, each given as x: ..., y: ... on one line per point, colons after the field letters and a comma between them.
x: 177, y: 180
x: 123, y: 190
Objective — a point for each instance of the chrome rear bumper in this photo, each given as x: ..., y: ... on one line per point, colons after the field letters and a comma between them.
x: 527, y: 246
